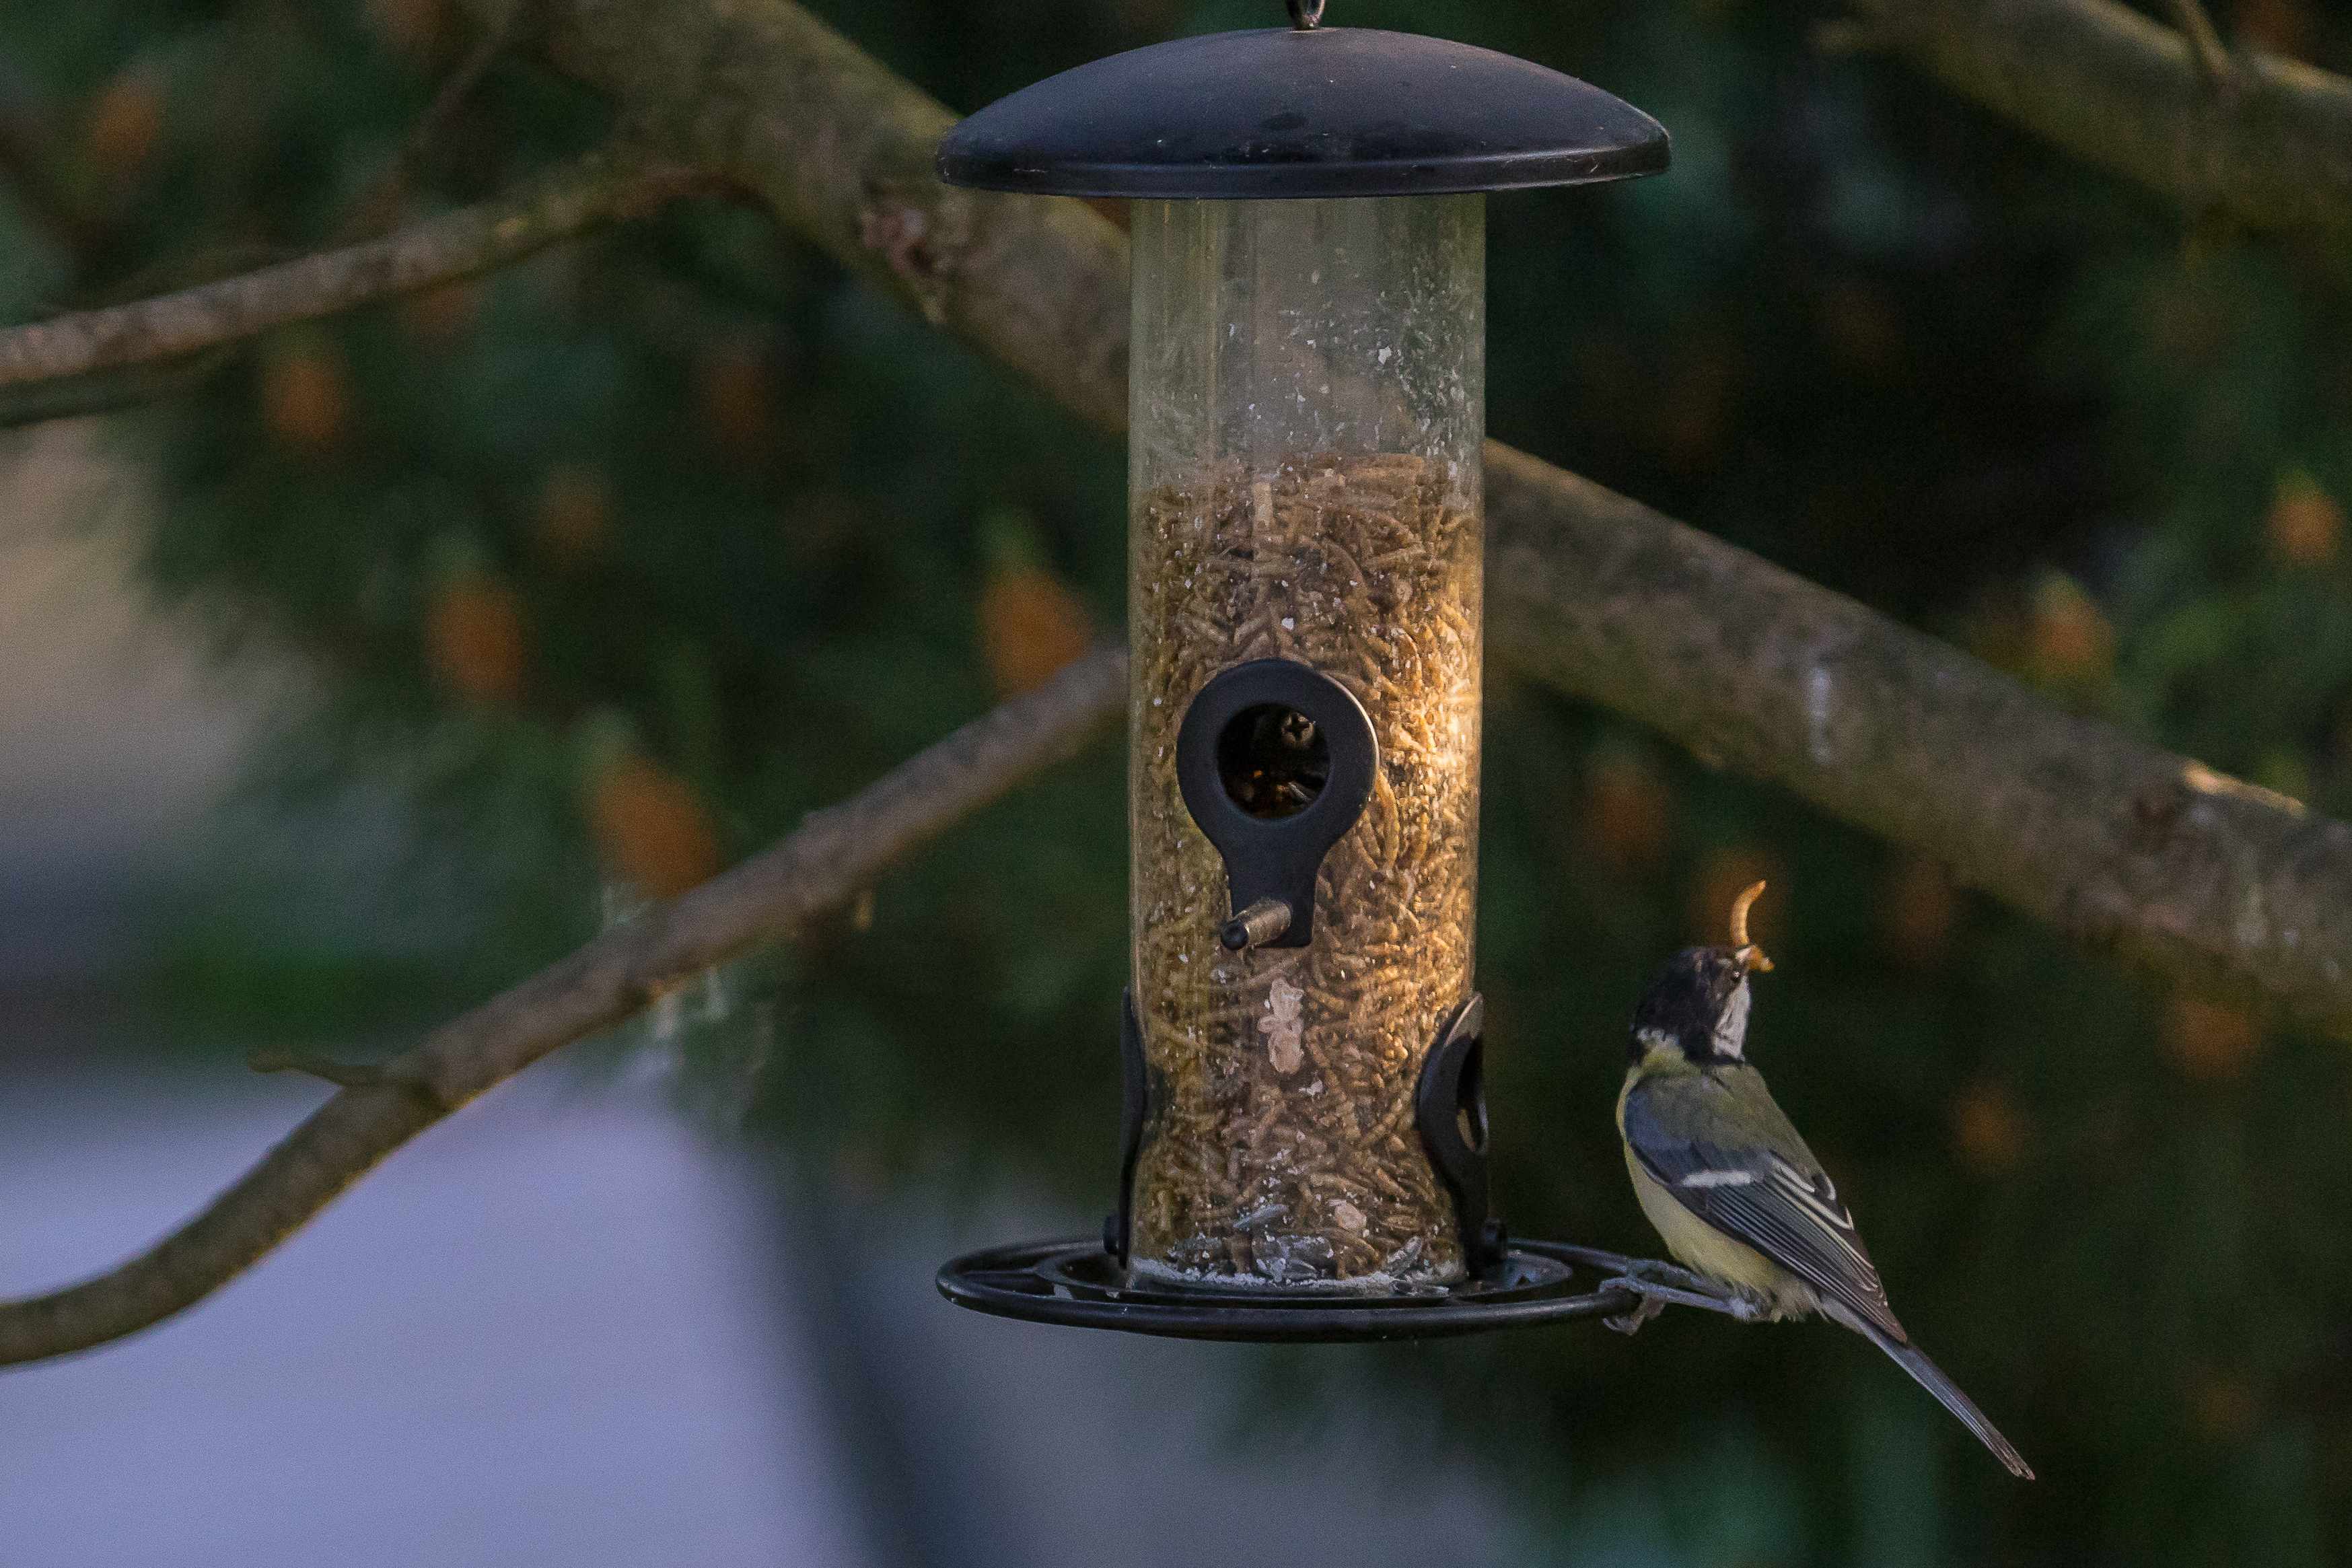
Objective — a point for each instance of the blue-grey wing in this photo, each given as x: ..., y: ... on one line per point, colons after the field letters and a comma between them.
x: 1743, y: 1170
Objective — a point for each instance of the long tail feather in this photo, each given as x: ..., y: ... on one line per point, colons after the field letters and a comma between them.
x: 1930, y: 1376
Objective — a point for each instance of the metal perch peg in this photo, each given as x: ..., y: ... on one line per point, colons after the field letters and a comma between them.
x: 1255, y: 926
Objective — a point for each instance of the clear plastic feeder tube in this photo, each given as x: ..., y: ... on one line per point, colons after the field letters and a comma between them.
x: 1307, y: 406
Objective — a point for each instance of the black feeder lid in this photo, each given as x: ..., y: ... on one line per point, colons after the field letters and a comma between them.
x: 1301, y: 112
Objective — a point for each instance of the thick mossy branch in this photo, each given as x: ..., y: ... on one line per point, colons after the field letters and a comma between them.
x: 597, y: 189
x: 834, y: 856
x: 2123, y: 845
x: 2265, y: 140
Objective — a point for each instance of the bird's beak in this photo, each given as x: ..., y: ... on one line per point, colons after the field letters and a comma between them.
x: 1751, y: 957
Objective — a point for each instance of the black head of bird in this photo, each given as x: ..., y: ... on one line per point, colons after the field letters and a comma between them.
x: 1698, y: 1003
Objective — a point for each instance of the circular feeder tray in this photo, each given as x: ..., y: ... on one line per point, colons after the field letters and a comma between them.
x: 1079, y: 1284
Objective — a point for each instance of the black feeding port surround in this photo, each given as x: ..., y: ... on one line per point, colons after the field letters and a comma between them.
x: 1274, y: 760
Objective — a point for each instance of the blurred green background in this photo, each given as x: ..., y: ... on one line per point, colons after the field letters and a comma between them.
x: 607, y: 568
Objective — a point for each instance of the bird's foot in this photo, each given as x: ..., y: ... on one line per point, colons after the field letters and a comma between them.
x: 1658, y: 1272
x: 1644, y: 1309
x: 1656, y: 1286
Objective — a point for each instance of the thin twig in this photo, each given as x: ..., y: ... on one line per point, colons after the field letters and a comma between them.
x: 2205, y: 46
x: 598, y: 188
x: 833, y: 857
x: 2205, y: 129
x: 343, y: 1074
x: 385, y: 193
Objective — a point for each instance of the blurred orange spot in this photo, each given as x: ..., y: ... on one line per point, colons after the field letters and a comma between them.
x: 306, y: 399
x: 1627, y: 811
x: 1722, y: 878
x: 1990, y: 1130
x: 652, y: 828
x: 122, y: 126
x: 2209, y: 1042
x: 733, y: 389
x: 2071, y: 643
x: 2222, y: 1405
x: 1031, y: 625
x: 475, y: 642
x: 1918, y: 908
x: 574, y: 520
x: 2305, y: 524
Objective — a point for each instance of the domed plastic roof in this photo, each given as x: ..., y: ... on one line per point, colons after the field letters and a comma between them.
x: 1296, y: 112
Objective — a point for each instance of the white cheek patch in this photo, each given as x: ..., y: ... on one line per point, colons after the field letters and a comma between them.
x: 1653, y: 1039
x: 1731, y: 1029
x: 1719, y: 1179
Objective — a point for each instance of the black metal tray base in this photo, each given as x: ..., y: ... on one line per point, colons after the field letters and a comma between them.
x: 1079, y: 1284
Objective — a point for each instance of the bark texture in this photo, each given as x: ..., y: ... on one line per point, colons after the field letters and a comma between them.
x: 2124, y: 845
x: 2267, y: 140
x: 765, y: 95
x: 602, y: 187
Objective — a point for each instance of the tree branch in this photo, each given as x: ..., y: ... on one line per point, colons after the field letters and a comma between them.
x: 2122, y: 845
x: 2122, y: 93
x: 604, y: 185
x: 2064, y: 818
x: 2068, y: 819
x: 791, y: 112
x: 833, y: 857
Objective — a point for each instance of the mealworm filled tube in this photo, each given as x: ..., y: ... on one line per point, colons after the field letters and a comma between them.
x: 1307, y: 407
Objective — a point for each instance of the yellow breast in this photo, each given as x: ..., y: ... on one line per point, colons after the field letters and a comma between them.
x: 1699, y: 1247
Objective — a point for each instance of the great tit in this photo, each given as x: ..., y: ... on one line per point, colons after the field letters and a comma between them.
x: 1731, y: 1187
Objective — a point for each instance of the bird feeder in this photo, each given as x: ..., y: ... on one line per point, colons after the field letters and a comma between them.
x: 1305, y: 1138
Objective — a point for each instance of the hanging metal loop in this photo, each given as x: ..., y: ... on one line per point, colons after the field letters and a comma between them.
x: 1304, y: 16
